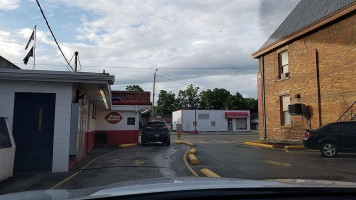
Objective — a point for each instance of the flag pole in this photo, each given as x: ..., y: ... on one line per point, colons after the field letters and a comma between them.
x: 34, y: 51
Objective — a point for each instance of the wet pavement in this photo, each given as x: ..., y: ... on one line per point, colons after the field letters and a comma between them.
x: 224, y: 154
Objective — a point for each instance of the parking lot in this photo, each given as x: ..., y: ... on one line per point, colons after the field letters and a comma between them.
x: 224, y: 154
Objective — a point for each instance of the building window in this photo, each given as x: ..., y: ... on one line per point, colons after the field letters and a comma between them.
x: 283, y: 65
x: 203, y: 116
x: 130, y: 121
x: 285, y: 116
x: 93, y: 112
x: 212, y: 123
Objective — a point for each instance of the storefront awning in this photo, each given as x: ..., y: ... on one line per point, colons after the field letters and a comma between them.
x: 236, y: 114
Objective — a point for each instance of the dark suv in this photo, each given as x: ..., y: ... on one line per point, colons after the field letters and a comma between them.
x: 156, y: 131
x: 332, y: 138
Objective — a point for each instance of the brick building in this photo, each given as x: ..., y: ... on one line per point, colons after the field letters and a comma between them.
x: 309, y: 59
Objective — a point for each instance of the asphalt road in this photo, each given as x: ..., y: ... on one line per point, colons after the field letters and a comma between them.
x: 225, y: 155
x: 229, y: 157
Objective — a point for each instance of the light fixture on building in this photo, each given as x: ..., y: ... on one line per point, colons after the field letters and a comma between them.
x: 102, y: 93
x: 297, y: 96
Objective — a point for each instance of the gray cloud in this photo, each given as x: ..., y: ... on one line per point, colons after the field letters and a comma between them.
x: 120, y: 36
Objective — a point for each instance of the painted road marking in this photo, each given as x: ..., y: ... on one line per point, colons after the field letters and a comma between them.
x: 187, y: 164
x: 139, y: 162
x: 209, y: 173
x: 277, y: 163
x: 76, y: 173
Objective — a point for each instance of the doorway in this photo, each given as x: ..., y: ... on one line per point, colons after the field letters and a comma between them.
x: 33, y: 128
x: 229, y: 124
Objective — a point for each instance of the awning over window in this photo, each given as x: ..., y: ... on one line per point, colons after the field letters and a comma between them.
x: 236, y: 114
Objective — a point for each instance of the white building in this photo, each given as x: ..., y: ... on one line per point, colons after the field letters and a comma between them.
x: 212, y: 120
x: 48, y: 115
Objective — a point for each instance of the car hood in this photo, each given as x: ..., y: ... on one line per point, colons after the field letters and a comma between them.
x: 159, y: 185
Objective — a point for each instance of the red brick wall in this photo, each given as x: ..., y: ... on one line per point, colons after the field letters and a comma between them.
x: 336, y: 46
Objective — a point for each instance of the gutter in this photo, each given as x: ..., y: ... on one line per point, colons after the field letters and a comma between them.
x: 263, y: 98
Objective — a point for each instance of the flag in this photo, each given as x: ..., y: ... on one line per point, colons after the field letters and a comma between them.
x: 30, y: 54
x: 31, y: 38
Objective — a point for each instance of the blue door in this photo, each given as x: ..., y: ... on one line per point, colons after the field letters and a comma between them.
x: 33, y: 127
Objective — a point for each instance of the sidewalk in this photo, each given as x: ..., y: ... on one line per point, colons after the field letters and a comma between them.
x: 45, y: 180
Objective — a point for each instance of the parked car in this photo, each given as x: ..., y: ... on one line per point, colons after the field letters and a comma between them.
x: 332, y: 138
x: 156, y: 131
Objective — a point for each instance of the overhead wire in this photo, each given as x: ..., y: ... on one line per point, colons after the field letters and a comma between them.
x: 49, y: 27
x: 172, y: 80
x: 70, y: 61
x: 79, y: 64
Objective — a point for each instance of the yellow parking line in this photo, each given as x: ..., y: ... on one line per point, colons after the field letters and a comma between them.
x: 277, y: 163
x: 187, y: 164
x: 65, y: 180
x: 76, y: 173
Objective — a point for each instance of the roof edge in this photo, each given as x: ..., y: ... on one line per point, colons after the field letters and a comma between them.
x: 317, y: 24
x: 56, y: 76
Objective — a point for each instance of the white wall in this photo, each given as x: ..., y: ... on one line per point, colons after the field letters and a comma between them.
x: 176, y: 118
x: 217, y: 116
x: 102, y: 124
x: 7, y: 156
x: 62, y: 114
x: 92, y: 122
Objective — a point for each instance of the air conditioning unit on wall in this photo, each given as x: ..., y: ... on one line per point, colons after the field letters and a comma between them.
x: 296, y: 109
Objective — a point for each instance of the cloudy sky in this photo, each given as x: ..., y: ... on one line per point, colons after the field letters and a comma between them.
x: 130, y: 38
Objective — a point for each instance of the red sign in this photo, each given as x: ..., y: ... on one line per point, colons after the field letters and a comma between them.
x: 113, y: 118
x: 236, y: 114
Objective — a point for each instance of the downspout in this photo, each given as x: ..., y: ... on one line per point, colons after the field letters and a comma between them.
x: 318, y: 84
x: 263, y: 98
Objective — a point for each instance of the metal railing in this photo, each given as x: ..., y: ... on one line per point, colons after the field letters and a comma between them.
x: 350, y: 114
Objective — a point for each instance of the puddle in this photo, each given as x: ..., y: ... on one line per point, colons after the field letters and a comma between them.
x: 163, y: 161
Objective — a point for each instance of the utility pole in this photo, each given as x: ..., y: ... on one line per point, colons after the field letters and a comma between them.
x: 34, y: 49
x: 76, y: 61
x: 153, y: 93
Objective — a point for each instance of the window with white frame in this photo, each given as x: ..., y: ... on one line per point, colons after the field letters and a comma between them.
x: 285, y: 116
x: 283, y: 65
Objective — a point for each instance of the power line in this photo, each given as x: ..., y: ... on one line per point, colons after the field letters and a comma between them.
x: 49, y: 27
x: 150, y: 68
x: 172, y: 80
x: 70, y: 61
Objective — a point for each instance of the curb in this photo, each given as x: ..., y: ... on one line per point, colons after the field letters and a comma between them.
x: 265, y: 144
x: 186, y: 143
x: 128, y: 145
x: 209, y: 173
x: 271, y: 146
x: 192, y: 159
x: 192, y: 151
x: 294, y: 147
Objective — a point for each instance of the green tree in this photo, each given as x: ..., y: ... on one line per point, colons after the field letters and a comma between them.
x: 134, y: 88
x: 251, y: 104
x: 214, y: 99
x: 188, y: 98
x: 166, y: 103
x: 236, y: 102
